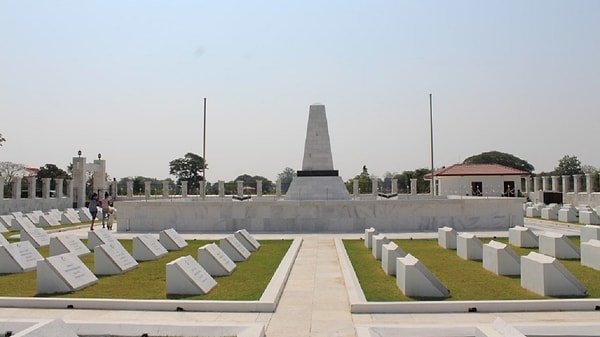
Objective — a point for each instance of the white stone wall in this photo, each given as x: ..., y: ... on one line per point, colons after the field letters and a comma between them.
x: 185, y: 215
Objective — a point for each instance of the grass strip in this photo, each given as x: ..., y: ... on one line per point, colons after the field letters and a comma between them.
x: 467, y: 280
x: 148, y: 280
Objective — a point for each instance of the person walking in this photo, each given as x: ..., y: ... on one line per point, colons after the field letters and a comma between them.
x: 93, y: 207
x: 105, y: 205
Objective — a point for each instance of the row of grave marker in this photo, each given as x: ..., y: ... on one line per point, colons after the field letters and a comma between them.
x: 583, y: 214
x: 53, y: 217
x: 540, y: 273
x: 63, y: 271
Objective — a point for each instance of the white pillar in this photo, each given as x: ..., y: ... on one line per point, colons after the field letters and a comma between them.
x: 240, y: 187
x: 528, y: 185
x: 165, y: 189
x: 16, y: 188
x: 114, y: 188
x: 70, y: 190
x: 278, y: 188
x: 259, y: 188
x: 2, y: 187
x: 355, y: 188
x: 536, y: 184
x: 221, y: 188
x: 147, y: 188
x: 79, y: 180
x: 31, y: 187
x: 99, y: 177
x: 576, y: 183
x: 374, y: 186
x: 413, y: 186
x: 203, y: 189
x: 59, y: 187
x: 394, y: 186
x: 184, y: 193
x: 129, y: 188
x: 555, y: 183
x: 546, y: 183
x: 46, y: 188
x: 589, y: 183
x: 565, y: 187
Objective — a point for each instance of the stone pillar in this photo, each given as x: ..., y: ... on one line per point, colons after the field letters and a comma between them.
x: 536, y: 184
x: 355, y: 188
x: 46, y: 188
x: 147, y: 188
x: 374, y: 186
x: 59, y: 187
x: 79, y: 180
x: 165, y: 189
x: 413, y: 186
x: 203, y: 189
x: 432, y: 187
x: 2, y: 180
x: 565, y: 187
x: 70, y: 190
x: 99, y: 177
x: 527, y: 186
x: 114, y: 189
x: 16, y: 188
x: 240, y: 187
x: 576, y: 183
x: 184, y: 188
x: 555, y: 183
x: 394, y: 186
x: 129, y: 188
x: 221, y: 188
x: 589, y: 183
x: 278, y: 188
x: 31, y: 187
x: 259, y: 188
x: 545, y: 183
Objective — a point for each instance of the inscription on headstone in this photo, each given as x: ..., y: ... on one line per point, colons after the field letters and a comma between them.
x: 18, y: 257
x: 214, y: 260
x: 171, y: 240
x: 234, y: 249
x: 112, y: 258
x: 63, y: 273
x: 37, y: 236
x: 147, y: 248
x: 67, y: 243
x: 99, y: 237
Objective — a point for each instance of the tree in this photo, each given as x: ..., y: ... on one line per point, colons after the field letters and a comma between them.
x: 189, y: 168
x: 568, y: 165
x: 364, y: 181
x: 250, y: 182
x: 286, y: 178
x: 9, y: 171
x: 51, y: 171
x: 2, y: 139
x: 501, y: 158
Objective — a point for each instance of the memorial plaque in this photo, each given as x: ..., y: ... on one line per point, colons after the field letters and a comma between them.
x: 234, y: 249
x: 18, y: 257
x: 69, y: 219
x: 247, y: 240
x: 63, y: 273
x: 33, y: 217
x: 112, y: 258
x: 147, y: 248
x: 99, y: 237
x: 37, y: 236
x: 48, y: 220
x: 171, y: 240
x: 21, y: 223
x: 84, y: 214
x: 214, y: 260
x: 186, y: 277
x: 67, y: 243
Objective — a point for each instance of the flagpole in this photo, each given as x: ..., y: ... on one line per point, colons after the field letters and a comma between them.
x: 431, y: 143
x: 204, y: 150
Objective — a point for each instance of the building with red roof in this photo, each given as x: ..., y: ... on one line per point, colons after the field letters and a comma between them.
x: 478, y: 180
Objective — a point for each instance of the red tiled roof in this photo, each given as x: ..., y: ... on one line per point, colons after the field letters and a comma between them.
x: 477, y: 170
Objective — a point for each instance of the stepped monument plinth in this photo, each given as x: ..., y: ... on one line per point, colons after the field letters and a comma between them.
x: 317, y: 180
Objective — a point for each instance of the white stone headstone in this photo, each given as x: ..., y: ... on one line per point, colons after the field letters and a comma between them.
x: 234, y: 249
x: 546, y: 276
x: 6, y: 220
x: 249, y: 242
x: 20, y: 223
x: 17, y: 214
x: 590, y: 254
x: 84, y: 214
x: 73, y: 212
x: 378, y: 241
x: 469, y: 247
x: 67, y: 218
x: 447, y: 237
x: 550, y: 212
x: 37, y: 236
x: 67, y: 243
x: 535, y: 211
x: 55, y: 213
x: 558, y: 245
x: 185, y: 276
x: 369, y: 233
x: 18, y: 257
x: 589, y: 217
x: 522, y: 237
x: 98, y: 237
x: 415, y: 280
x: 112, y: 258
x: 171, y: 240
x: 63, y: 273
x: 147, y: 248
x: 3, y: 229
x: 568, y: 213
x: 3, y: 241
x: 55, y: 328
x: 500, y: 259
x: 33, y: 217
x: 48, y: 220
x: 589, y: 232
x: 389, y: 253
x: 214, y: 260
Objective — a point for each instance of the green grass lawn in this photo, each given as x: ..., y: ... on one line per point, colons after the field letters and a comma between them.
x: 148, y: 280
x: 467, y: 280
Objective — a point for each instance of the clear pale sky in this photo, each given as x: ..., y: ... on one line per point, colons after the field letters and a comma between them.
x: 127, y: 79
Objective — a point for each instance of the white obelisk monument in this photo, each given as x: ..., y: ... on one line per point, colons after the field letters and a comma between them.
x: 317, y: 180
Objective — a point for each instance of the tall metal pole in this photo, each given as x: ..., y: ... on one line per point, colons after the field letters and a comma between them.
x: 431, y: 142
x: 204, y: 149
